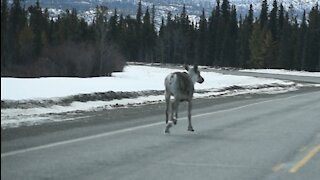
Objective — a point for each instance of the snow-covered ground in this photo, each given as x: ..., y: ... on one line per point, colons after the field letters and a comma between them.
x: 39, y: 100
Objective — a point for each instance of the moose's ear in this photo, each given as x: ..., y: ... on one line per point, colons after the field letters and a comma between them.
x: 195, y: 67
x: 186, y: 67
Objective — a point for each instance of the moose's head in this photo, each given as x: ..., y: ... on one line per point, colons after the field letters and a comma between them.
x: 194, y: 74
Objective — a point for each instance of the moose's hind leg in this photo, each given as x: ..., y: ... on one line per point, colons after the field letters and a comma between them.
x: 167, y: 129
x: 175, y: 107
x: 190, y: 128
x: 167, y: 98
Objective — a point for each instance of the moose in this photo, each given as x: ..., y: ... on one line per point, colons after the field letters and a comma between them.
x: 181, y: 86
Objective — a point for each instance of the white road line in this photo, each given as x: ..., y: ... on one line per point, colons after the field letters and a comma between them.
x: 77, y: 140
x: 17, y: 152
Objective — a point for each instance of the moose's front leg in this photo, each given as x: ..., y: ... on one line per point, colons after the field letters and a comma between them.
x: 190, y: 128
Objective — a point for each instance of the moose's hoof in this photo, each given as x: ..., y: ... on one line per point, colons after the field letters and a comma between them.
x: 167, y: 129
x: 190, y: 129
x: 175, y: 121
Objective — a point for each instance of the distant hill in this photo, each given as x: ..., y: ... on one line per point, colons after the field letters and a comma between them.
x: 194, y: 7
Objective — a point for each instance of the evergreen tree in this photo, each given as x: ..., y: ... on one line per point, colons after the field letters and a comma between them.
x: 312, y: 39
x: 139, y: 14
x: 244, y: 36
x: 286, y: 45
x: 212, y: 35
x: 299, y: 49
x: 270, y: 51
x: 113, y: 31
x: 138, y: 31
x: 229, y: 32
x: 74, y: 26
x: 4, y: 32
x: 84, y: 31
x: 225, y: 10
x: 161, y: 43
x: 153, y: 17
x: 233, y: 60
x: 281, y: 18
x: 202, y: 40
x: 264, y: 14
x: 17, y: 21
x: 250, y: 17
x: 131, y: 44
x: 274, y: 20
x: 147, y: 38
x: 166, y: 36
x: 68, y: 26
x: 101, y: 44
x: 257, y: 47
x: 37, y: 25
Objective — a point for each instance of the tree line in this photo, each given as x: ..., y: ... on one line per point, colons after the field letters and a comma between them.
x: 34, y: 44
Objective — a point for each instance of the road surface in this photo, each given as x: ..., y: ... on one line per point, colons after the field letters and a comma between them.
x: 247, y: 137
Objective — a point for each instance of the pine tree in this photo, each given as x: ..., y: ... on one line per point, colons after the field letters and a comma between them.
x: 131, y: 43
x: 4, y: 31
x: 244, y: 36
x: 257, y: 47
x: 312, y: 39
x: 273, y: 20
x: 233, y: 60
x: 229, y: 32
x: 264, y: 14
x: 182, y: 38
x: 184, y: 19
x: 201, y: 40
x: 161, y: 42
x: 73, y: 22
x: 101, y: 33
x: 287, y: 42
x: 138, y: 34
x: 36, y: 24
x: 250, y: 17
x: 147, y: 38
x: 153, y: 16
x: 17, y: 21
x: 281, y: 18
x: 225, y: 10
x: 212, y: 34
x: 300, y: 49
x: 270, y: 51
x: 139, y: 14
x: 113, y: 31
x: 84, y: 31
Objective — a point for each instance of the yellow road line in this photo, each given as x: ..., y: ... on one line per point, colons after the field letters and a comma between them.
x: 307, y: 158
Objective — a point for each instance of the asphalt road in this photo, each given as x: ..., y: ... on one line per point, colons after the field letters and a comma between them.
x: 247, y: 137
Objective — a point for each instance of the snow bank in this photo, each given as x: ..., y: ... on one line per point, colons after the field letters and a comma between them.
x: 134, y: 78
x: 38, y: 100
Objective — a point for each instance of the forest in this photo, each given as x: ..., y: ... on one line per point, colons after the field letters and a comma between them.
x: 33, y: 44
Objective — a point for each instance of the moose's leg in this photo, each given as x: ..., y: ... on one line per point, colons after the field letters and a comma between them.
x: 172, y: 111
x: 167, y: 98
x: 167, y: 129
x: 190, y: 128
x: 175, y: 108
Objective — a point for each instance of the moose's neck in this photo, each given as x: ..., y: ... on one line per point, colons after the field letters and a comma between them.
x: 193, y: 79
